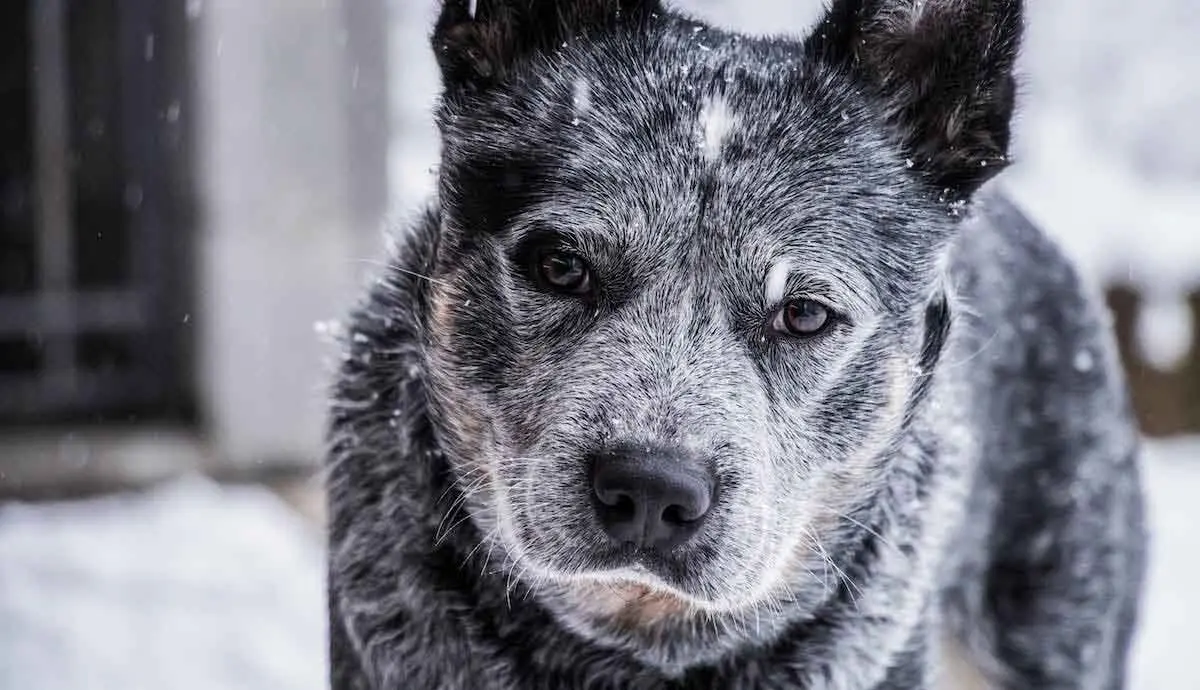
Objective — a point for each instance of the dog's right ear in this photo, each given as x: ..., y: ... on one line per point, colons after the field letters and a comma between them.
x: 477, y: 42
x: 943, y: 71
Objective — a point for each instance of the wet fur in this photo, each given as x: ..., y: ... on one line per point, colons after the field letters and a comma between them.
x: 956, y: 458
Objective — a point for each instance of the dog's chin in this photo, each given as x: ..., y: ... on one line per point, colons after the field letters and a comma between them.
x: 628, y: 604
x: 670, y: 623
x: 658, y: 624
x: 626, y: 579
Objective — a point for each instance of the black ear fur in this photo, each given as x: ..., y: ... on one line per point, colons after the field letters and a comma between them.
x: 478, y: 50
x: 943, y: 71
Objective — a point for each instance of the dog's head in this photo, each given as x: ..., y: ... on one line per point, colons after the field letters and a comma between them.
x: 687, y: 288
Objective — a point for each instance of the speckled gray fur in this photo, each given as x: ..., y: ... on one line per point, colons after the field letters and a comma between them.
x: 955, y: 456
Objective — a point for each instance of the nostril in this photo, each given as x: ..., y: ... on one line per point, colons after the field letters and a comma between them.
x: 689, y: 504
x: 676, y: 515
x: 623, y: 508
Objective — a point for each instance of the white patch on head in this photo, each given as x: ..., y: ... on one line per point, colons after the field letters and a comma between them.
x: 915, y: 12
x: 716, y: 123
x: 581, y: 96
x: 777, y: 279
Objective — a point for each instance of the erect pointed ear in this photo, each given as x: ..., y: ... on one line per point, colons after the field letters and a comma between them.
x: 476, y: 42
x: 943, y: 71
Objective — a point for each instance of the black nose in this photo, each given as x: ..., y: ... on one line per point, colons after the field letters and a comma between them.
x: 651, y: 498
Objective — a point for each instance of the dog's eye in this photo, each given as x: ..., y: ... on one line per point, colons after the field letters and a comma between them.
x: 802, y: 317
x: 564, y: 272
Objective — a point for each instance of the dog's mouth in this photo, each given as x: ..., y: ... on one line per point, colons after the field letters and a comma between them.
x: 620, y: 565
x: 631, y: 581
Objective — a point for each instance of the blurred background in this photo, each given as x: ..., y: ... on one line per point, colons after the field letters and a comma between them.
x: 193, y: 191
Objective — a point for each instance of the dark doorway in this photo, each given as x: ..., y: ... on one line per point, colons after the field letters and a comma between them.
x: 95, y: 211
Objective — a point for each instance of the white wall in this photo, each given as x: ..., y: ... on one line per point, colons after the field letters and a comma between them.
x: 278, y: 246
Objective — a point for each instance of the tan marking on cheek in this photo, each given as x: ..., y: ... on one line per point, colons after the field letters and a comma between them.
x: 469, y: 432
x: 900, y: 386
x: 464, y: 421
x: 842, y: 487
x: 957, y: 671
x: 860, y: 466
x: 442, y: 304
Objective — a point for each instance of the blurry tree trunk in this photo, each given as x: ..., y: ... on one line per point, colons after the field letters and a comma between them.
x: 1167, y: 401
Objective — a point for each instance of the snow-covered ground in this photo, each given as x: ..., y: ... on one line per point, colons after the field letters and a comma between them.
x: 197, y: 587
x: 189, y: 587
x: 1165, y: 656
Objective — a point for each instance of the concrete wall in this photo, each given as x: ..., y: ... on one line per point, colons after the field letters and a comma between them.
x: 284, y: 229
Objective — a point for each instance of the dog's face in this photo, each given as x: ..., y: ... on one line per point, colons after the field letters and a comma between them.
x: 681, y: 305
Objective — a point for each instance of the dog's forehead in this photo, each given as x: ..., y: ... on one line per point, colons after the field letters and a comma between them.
x: 749, y: 128
x: 729, y: 150
x: 734, y: 153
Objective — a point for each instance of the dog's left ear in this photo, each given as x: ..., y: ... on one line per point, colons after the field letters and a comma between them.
x: 943, y: 71
x: 478, y: 42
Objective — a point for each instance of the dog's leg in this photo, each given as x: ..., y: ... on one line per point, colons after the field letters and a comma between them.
x: 1062, y: 592
x: 1051, y: 568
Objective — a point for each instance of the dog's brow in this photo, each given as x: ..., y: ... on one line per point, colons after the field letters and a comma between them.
x: 777, y: 277
x: 843, y: 284
x: 585, y: 235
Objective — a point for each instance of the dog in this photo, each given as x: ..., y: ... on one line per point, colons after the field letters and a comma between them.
x: 723, y: 361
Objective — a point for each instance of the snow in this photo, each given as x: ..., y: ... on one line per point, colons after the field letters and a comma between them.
x: 191, y: 586
x: 1165, y: 331
x: 1118, y: 225
x: 197, y: 586
x: 1166, y: 646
